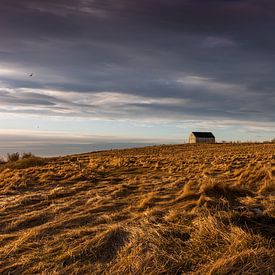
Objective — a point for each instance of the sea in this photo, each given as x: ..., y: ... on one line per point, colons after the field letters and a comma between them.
x: 51, y: 150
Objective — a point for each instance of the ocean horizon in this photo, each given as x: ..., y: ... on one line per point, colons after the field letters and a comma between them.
x: 52, y: 150
x: 51, y: 144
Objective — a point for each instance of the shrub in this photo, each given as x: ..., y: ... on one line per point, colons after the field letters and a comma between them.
x: 13, y: 157
x: 26, y: 163
x: 30, y: 162
x: 26, y: 160
x: 27, y: 155
x: 2, y: 160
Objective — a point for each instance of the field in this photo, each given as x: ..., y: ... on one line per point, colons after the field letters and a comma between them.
x: 180, y: 209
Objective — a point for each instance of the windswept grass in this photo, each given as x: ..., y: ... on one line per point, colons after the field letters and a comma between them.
x: 183, y: 209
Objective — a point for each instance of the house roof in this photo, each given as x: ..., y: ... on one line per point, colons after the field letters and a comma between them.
x: 203, y: 134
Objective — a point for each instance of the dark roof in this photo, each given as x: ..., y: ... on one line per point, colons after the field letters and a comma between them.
x: 203, y: 134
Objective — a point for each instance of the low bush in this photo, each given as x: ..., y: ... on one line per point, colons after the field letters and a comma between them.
x: 26, y: 160
x: 2, y: 161
x: 13, y: 157
x: 27, y: 155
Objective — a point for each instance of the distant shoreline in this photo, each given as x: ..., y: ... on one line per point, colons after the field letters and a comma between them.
x: 56, y: 150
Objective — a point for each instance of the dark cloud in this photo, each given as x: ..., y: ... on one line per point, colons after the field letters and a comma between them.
x: 25, y: 99
x: 217, y: 55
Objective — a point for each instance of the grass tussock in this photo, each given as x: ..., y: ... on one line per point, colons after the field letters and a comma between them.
x: 13, y: 157
x: 207, y: 209
x: 26, y: 160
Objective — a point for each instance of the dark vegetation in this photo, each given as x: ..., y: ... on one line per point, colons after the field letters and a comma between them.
x: 17, y: 161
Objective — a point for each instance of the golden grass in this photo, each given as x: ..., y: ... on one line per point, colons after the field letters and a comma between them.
x: 182, y: 209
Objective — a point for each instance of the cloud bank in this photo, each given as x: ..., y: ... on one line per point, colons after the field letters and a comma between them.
x: 139, y: 60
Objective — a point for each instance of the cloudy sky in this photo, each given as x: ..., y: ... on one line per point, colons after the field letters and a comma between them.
x: 143, y: 69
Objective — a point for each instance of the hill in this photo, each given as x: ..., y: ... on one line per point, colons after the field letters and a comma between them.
x: 192, y: 209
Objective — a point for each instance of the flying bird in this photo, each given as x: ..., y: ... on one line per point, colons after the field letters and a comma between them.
x: 31, y: 75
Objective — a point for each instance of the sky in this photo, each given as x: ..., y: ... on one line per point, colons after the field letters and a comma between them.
x: 138, y: 71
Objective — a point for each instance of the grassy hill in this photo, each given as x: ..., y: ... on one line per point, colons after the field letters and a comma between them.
x: 192, y: 209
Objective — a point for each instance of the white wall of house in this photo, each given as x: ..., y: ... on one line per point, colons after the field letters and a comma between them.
x: 192, y: 138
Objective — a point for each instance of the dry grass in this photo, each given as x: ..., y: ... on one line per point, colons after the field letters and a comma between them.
x: 184, y: 209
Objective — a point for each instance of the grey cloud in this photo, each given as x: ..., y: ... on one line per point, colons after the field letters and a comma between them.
x: 140, y: 48
x: 20, y: 98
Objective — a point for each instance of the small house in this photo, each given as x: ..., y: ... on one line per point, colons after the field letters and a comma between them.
x: 201, y: 137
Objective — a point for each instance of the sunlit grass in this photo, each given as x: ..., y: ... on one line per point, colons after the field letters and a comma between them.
x: 191, y: 209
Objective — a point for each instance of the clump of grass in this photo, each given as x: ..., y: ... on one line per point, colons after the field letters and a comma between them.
x: 2, y: 160
x: 11, y: 157
x: 250, y: 261
x: 27, y: 155
x: 26, y: 160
